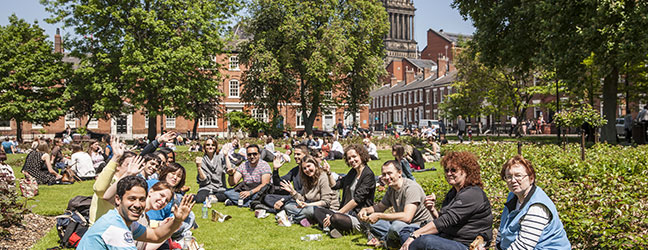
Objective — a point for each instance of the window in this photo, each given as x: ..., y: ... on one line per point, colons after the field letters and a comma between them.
x: 434, y: 96
x: 5, y: 124
x: 170, y: 121
x: 146, y: 117
x: 427, y: 96
x: 260, y: 114
x: 208, y: 122
x: 328, y: 94
x: 39, y: 126
x: 70, y: 120
x: 94, y: 123
x: 234, y: 63
x: 234, y: 88
x: 299, y: 123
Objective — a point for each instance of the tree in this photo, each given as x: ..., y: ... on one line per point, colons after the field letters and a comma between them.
x: 302, y: 49
x: 365, y: 25
x: 32, y: 76
x: 160, y: 52
x: 559, y: 35
x: 494, y: 90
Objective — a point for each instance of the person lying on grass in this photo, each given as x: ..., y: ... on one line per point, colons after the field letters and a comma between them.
x: 316, y: 192
x: 406, y: 197
x: 118, y: 229
x: 115, y: 168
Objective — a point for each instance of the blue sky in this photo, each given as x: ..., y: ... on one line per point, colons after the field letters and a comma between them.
x: 430, y: 14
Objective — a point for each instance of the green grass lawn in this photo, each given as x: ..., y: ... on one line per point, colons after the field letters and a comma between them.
x: 243, y: 231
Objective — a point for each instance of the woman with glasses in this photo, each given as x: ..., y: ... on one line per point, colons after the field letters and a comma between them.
x: 465, y: 212
x: 212, y: 171
x: 530, y: 219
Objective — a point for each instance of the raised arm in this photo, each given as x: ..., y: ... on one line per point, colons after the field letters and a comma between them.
x: 135, y: 167
x: 165, y: 230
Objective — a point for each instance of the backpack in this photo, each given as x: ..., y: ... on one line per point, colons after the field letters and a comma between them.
x: 73, y: 224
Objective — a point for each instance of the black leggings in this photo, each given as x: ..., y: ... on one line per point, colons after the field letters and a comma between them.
x: 339, y: 221
x: 201, y: 196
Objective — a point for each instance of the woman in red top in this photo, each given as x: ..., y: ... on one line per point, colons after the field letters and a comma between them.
x: 326, y: 147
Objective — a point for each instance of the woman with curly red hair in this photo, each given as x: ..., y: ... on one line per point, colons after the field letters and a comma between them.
x: 465, y: 212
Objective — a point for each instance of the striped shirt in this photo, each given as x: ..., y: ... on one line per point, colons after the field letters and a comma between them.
x: 531, y: 226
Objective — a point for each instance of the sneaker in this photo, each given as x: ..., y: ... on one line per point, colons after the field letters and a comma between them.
x: 304, y: 223
x: 335, y: 234
x: 229, y: 202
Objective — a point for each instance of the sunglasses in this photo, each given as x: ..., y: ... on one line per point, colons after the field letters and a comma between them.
x: 451, y: 170
x: 209, y: 145
x: 253, y: 154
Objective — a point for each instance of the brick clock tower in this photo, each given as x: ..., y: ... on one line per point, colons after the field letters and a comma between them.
x: 399, y: 42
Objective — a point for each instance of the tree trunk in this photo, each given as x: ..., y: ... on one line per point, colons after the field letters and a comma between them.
x: 610, y: 89
x: 195, y: 129
x: 19, y: 131
x: 152, y: 127
x: 89, y: 118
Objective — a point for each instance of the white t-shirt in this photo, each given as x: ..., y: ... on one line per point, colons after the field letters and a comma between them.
x: 82, y: 164
x: 513, y: 120
x: 337, y: 147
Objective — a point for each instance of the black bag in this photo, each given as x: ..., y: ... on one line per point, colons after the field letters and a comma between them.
x: 73, y: 224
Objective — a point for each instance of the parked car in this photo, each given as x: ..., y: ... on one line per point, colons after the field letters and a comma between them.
x: 316, y: 133
x: 428, y: 123
x: 93, y: 135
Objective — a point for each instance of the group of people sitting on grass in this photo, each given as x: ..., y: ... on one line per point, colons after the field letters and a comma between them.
x: 140, y: 201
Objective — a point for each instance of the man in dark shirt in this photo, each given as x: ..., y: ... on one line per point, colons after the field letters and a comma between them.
x: 280, y: 196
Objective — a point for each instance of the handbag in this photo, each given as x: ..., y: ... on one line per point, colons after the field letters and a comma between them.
x: 29, y: 187
x: 69, y: 176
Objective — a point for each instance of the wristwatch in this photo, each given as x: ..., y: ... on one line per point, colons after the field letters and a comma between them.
x: 413, y: 236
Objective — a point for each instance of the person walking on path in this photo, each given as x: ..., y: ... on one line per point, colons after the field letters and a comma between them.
x: 461, y: 127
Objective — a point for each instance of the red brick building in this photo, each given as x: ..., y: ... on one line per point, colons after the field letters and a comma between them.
x: 134, y: 125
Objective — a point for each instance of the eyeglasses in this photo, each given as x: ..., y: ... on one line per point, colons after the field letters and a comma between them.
x: 209, y: 145
x: 517, y: 178
x: 252, y: 154
x: 451, y: 170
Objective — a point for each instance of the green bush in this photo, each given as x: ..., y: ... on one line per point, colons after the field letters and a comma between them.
x: 11, y: 208
x: 601, y: 201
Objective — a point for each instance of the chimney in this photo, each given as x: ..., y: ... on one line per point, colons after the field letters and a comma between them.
x: 409, y: 76
x: 442, y: 64
x: 393, y: 81
x: 58, y: 48
x: 427, y: 72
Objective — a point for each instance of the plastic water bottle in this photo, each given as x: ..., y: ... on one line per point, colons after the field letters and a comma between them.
x: 312, y: 237
x: 205, y: 210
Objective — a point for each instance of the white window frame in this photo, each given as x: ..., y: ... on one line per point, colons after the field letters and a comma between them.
x: 208, y: 122
x: 5, y: 127
x: 70, y: 120
x: 263, y: 116
x: 427, y: 96
x: 170, y: 121
x: 328, y: 94
x: 94, y: 123
x: 237, y: 89
x: 234, y: 63
x: 37, y: 125
x: 146, y: 118
x: 298, y: 118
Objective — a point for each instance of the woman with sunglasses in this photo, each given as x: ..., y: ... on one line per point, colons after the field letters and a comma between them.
x: 212, y: 171
x: 465, y: 212
x: 530, y: 219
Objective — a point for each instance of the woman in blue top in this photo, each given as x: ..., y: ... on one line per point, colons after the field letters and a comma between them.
x: 530, y: 219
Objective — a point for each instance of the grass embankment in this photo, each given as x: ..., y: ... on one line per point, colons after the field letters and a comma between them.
x: 243, y: 231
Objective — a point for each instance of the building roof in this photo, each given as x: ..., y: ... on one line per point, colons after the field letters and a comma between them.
x: 419, y: 83
x: 422, y: 63
x: 451, y: 37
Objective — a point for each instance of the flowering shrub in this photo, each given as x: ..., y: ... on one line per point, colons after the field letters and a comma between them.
x: 601, y: 201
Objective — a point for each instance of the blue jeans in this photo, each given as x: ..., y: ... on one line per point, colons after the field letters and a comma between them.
x: 297, y: 213
x: 234, y: 197
x: 389, y: 230
x: 430, y: 241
